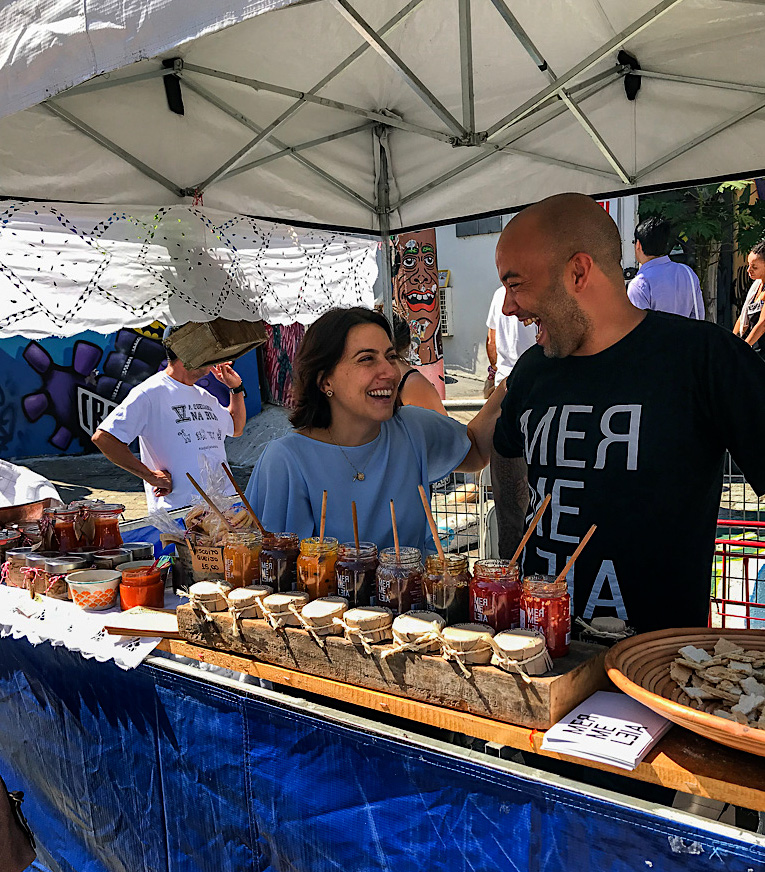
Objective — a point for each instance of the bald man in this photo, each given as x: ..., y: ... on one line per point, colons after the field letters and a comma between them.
x: 622, y: 416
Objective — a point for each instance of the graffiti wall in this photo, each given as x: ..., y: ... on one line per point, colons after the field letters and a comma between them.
x: 416, y: 298
x: 54, y: 393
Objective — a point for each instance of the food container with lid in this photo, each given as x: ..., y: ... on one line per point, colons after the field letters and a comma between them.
x: 246, y: 601
x: 546, y: 608
x: 526, y: 647
x: 62, y: 521
x: 316, y: 566
x: 141, y: 586
x: 495, y: 594
x: 15, y: 561
x: 35, y: 576
x: 447, y: 587
x: 278, y: 607
x: 111, y: 558
x: 417, y: 629
x: 107, y: 525
x: 209, y: 595
x: 369, y: 624
x: 471, y: 642
x: 399, y: 580
x: 278, y: 561
x: 57, y: 569
x: 8, y: 539
x: 321, y: 613
x: 241, y: 557
x: 356, y: 573
x: 139, y: 550
x: 94, y: 589
x: 85, y: 552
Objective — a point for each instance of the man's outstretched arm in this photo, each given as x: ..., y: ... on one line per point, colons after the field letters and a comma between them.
x: 509, y: 482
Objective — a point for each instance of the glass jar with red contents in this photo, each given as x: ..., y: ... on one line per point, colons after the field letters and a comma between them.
x: 106, y: 518
x: 142, y: 587
x: 241, y: 558
x: 356, y: 571
x: 399, y: 580
x: 446, y: 584
x: 495, y: 594
x: 316, y: 566
x: 65, y: 537
x: 546, y: 608
x: 278, y: 561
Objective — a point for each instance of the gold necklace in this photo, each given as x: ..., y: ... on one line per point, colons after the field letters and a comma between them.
x: 359, y: 473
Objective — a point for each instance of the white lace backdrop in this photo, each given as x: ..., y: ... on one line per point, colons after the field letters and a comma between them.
x: 65, y: 268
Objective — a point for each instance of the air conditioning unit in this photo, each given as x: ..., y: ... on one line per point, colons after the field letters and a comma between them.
x: 447, y: 315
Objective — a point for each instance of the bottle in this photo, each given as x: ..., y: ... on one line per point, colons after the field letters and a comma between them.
x: 356, y: 572
x: 447, y: 587
x: 278, y: 561
x: 241, y: 558
x: 495, y: 594
x: 316, y: 566
x: 399, y: 580
x: 546, y: 608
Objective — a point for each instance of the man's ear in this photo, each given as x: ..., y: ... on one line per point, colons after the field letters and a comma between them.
x: 580, y: 269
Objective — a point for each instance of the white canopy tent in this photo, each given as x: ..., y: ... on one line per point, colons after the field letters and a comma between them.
x: 375, y: 115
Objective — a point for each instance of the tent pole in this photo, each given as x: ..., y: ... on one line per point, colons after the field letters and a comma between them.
x: 382, y: 203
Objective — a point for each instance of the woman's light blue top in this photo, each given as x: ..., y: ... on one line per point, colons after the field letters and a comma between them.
x: 416, y: 446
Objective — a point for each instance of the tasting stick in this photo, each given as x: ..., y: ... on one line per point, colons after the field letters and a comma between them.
x: 587, y: 536
x: 432, y: 523
x: 323, y: 516
x: 532, y: 527
x: 244, y: 500
x: 210, y: 503
x: 395, y: 532
x: 355, y: 527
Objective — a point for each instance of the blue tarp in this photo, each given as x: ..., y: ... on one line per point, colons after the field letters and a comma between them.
x: 151, y: 771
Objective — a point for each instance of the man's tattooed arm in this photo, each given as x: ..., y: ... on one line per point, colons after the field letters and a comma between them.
x: 509, y: 483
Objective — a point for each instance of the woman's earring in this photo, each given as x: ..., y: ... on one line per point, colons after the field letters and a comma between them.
x: 330, y: 393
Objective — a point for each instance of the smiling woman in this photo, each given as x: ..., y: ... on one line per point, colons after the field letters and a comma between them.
x: 353, y: 439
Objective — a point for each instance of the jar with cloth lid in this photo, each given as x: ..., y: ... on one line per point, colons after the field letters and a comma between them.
x: 57, y: 568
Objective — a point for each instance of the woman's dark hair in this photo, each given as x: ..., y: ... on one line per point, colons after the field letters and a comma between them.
x: 320, y: 352
x: 759, y: 249
x: 402, y: 335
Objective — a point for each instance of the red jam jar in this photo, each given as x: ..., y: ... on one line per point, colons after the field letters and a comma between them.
x: 63, y: 529
x: 142, y: 587
x: 546, y: 608
x: 446, y: 584
x: 278, y: 561
x: 356, y: 571
x: 107, y: 523
x: 495, y: 594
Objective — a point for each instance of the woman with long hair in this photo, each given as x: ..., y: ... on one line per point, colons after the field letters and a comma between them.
x: 413, y: 388
x: 352, y: 438
x: 750, y: 325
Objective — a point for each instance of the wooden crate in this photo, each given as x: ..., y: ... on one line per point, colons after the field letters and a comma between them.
x: 489, y: 691
x: 198, y: 345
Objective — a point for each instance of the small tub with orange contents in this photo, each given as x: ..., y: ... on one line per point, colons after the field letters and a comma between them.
x: 142, y: 586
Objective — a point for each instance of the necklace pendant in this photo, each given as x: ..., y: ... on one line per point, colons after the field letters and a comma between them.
x: 359, y: 476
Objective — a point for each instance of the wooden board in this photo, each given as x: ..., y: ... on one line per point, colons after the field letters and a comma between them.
x: 682, y: 761
x: 428, y: 678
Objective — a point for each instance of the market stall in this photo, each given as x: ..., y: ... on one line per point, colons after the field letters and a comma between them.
x: 407, y: 120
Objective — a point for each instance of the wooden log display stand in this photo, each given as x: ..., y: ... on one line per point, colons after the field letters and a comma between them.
x: 490, y: 691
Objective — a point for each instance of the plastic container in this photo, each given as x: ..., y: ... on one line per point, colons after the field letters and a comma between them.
x: 142, y: 586
x: 399, y: 581
x: 447, y: 587
x: 546, y: 608
x: 139, y: 550
x: 356, y: 573
x: 241, y: 558
x: 94, y: 589
x: 107, y: 521
x: 111, y: 558
x: 278, y: 561
x: 316, y: 567
x: 495, y: 594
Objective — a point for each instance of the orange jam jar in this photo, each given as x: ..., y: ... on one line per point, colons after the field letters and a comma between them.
x: 142, y: 587
x: 316, y: 566
x: 107, y: 523
x: 546, y: 608
x: 495, y: 594
x: 241, y: 558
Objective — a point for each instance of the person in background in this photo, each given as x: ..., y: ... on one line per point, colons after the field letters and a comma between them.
x: 661, y: 284
x: 750, y: 325
x: 413, y: 389
x: 352, y: 439
x: 176, y: 422
x: 506, y: 340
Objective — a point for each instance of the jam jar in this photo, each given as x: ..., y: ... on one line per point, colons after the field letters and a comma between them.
x: 356, y: 571
x: 399, y: 580
x: 57, y: 569
x: 142, y: 586
x: 107, y: 525
x: 62, y: 520
x: 495, y: 594
x: 15, y: 561
x: 35, y: 576
x: 546, y: 608
x: 241, y: 558
x: 316, y: 566
x: 278, y: 561
x: 447, y: 587
x: 110, y: 558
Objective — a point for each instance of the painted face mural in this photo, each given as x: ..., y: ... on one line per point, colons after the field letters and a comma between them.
x: 415, y: 288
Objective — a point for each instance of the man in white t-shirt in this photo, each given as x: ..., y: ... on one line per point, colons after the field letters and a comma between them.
x: 506, y: 341
x: 176, y: 423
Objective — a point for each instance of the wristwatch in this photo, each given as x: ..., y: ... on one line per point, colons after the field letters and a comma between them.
x: 239, y: 389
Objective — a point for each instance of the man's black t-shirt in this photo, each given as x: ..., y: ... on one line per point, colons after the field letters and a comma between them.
x: 632, y: 439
